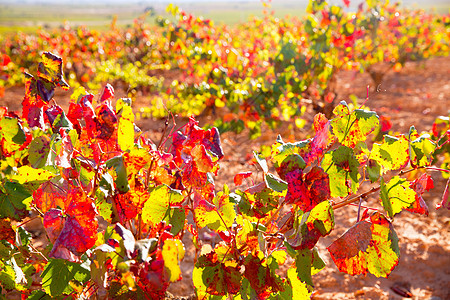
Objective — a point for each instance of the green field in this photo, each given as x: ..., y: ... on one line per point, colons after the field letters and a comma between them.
x: 28, y: 17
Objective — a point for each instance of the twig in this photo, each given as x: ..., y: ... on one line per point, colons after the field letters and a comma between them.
x: 355, y: 198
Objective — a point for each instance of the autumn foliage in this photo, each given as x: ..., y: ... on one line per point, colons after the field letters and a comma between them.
x: 92, y: 165
x: 115, y: 205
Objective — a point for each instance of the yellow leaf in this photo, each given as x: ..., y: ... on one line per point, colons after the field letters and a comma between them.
x: 28, y: 174
x: 173, y: 253
x: 125, y: 136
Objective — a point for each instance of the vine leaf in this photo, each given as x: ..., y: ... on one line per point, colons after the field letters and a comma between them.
x: 322, y: 139
x: 58, y: 273
x: 106, y: 122
x: 38, y: 151
x: 108, y: 93
x: 6, y: 231
x: 297, y: 289
x: 306, y: 190
x: 12, y: 136
x: 342, y: 168
x: 125, y: 134
x: 289, y: 164
x: 396, y: 195
x: 130, y: 204
x: 50, y: 69
x: 445, y: 202
x: 203, y: 161
x: 261, y: 277
x: 212, y: 277
x: 215, y: 215
x: 420, y: 185
x: 158, y: 204
x: 282, y: 151
x: 173, y: 253
x: 136, y: 159
x: 318, y: 222
x: 352, y: 127
x: 75, y: 228
x: 49, y: 195
x: 421, y: 148
x: 28, y: 174
x: 238, y: 178
x: 121, y: 179
x: 369, y: 246
x: 57, y: 118
x: 392, y: 154
x: 14, y: 200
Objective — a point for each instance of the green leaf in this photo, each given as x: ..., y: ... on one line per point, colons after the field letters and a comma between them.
x: 353, y: 127
x: 274, y: 183
x: 39, y: 295
x: 287, y: 149
x: 210, y: 276
x: 303, y: 263
x: 176, y: 217
x: 11, y: 134
x: 373, y: 170
x: 155, y: 208
x: 121, y: 180
x: 38, y: 151
x: 310, y: 226
x: 14, y: 201
x: 56, y: 277
x: 7, y: 277
x: 421, y: 150
x: 57, y: 274
x: 396, y: 195
x: 342, y: 168
x: 317, y: 262
x: 392, y: 154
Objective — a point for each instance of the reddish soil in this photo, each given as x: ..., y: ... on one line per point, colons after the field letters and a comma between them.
x: 414, y: 96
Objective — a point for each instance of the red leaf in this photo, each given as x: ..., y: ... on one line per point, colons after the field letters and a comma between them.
x: 212, y: 143
x: 108, y: 93
x: 6, y: 231
x: 420, y: 185
x: 238, y: 178
x: 32, y: 104
x: 130, y: 204
x: 444, y: 203
x: 367, y: 247
x: 262, y: 279
x: 203, y: 161
x: 75, y: 228
x: 49, y: 196
x: 321, y: 140
x: 106, y: 120
x: 75, y: 114
x: 307, y: 189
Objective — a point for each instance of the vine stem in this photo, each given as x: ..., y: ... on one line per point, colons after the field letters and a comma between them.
x: 147, y: 178
x: 267, y: 223
x: 355, y: 198
x: 375, y: 189
x: 27, y: 221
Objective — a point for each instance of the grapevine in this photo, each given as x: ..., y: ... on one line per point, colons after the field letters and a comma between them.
x: 115, y: 205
